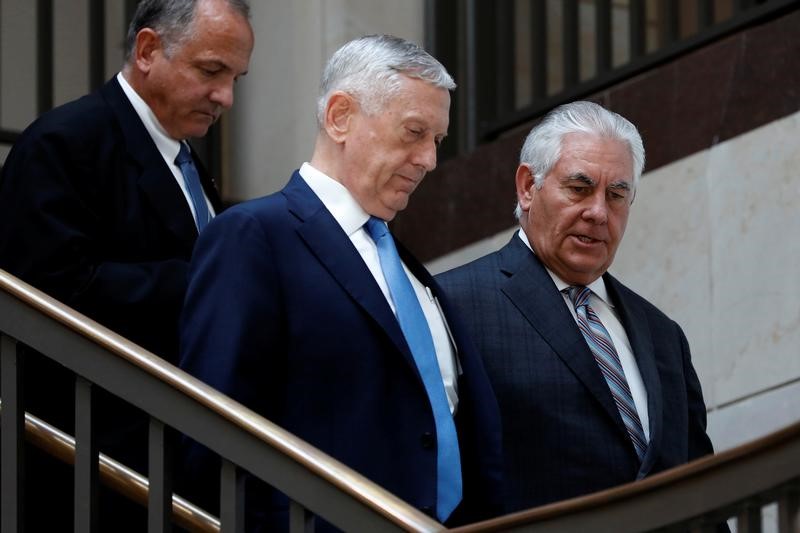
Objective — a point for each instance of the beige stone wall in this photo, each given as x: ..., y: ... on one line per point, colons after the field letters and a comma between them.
x: 272, y: 125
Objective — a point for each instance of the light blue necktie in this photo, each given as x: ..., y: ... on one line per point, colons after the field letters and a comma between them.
x: 607, y: 359
x: 192, y: 179
x: 418, y: 336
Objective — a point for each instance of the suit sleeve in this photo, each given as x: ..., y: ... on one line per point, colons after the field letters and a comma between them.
x: 61, y: 230
x: 231, y: 323
x: 231, y: 339
x: 699, y: 443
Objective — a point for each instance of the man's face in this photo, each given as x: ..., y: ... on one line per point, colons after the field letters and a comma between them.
x: 189, y: 86
x: 576, y: 220
x: 388, y: 153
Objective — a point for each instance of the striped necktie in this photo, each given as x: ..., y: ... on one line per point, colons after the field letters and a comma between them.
x: 418, y: 336
x: 607, y: 359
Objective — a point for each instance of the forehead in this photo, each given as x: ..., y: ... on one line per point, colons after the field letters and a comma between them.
x: 419, y: 100
x: 218, y: 29
x: 596, y: 156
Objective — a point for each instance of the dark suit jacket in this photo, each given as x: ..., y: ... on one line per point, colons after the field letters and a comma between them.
x: 283, y: 315
x: 91, y: 214
x: 562, y: 432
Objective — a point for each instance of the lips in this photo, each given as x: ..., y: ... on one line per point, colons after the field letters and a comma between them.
x: 585, y: 239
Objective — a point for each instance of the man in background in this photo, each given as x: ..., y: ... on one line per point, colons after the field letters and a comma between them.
x: 595, y: 385
x: 302, y: 307
x: 101, y: 199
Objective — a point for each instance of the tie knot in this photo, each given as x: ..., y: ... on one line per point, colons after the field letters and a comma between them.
x: 184, y: 155
x: 376, y: 228
x: 579, y: 295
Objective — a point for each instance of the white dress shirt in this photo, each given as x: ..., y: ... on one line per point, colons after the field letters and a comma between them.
x: 352, y: 217
x: 167, y: 146
x: 600, y: 302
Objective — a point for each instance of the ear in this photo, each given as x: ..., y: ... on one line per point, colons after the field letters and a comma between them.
x: 147, y: 45
x: 339, y: 115
x: 525, y: 187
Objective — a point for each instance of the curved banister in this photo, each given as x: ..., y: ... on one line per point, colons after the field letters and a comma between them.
x: 313, y: 460
x: 699, y: 493
x: 726, y: 478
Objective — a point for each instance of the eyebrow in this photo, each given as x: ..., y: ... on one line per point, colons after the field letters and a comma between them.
x: 624, y: 185
x: 583, y: 178
x: 221, y: 64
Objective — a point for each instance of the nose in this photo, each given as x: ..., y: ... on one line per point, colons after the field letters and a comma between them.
x: 222, y: 95
x: 426, y: 156
x: 596, y: 210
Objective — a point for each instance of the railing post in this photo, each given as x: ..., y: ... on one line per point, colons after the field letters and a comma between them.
x: 301, y: 520
x: 636, y: 29
x: 603, y: 35
x: 749, y: 519
x: 789, y: 511
x: 539, y: 50
x: 12, y: 432
x: 231, y: 505
x: 570, y: 37
x: 159, y: 504
x: 468, y: 112
x: 86, y: 458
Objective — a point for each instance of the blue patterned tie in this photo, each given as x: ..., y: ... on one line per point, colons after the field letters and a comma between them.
x: 418, y: 336
x: 607, y: 359
x: 192, y: 179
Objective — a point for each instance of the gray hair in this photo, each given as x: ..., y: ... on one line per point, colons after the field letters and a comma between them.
x: 371, y: 68
x: 171, y: 19
x: 542, y: 148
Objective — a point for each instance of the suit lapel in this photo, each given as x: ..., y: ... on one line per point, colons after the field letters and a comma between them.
x: 636, y: 325
x: 533, y: 293
x: 334, y: 250
x: 149, y: 170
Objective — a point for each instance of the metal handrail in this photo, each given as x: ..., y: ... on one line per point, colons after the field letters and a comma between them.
x: 694, y: 495
x: 115, y: 475
x: 352, y: 486
x: 728, y: 481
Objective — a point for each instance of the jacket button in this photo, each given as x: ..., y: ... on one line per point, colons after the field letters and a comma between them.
x: 428, y: 440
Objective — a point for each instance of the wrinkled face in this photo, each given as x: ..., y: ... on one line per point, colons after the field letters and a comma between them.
x: 387, y: 154
x: 189, y: 86
x: 576, y: 220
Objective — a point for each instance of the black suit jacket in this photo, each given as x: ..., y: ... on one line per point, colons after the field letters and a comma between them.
x: 299, y: 331
x: 563, y: 435
x: 91, y: 214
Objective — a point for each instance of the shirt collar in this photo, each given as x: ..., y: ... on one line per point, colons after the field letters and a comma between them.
x: 168, y: 146
x: 336, y: 199
x: 598, y: 286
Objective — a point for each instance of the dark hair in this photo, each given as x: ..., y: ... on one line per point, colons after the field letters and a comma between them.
x: 171, y: 19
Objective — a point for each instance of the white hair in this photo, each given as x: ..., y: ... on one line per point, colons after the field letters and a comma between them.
x: 370, y: 68
x: 542, y: 148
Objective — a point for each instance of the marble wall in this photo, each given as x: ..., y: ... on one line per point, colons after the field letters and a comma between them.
x: 712, y: 241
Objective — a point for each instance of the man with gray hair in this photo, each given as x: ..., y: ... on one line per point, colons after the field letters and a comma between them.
x: 102, y: 199
x: 595, y: 385
x: 302, y: 307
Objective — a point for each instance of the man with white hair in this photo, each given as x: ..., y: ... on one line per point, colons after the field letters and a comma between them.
x: 595, y: 385
x: 302, y: 307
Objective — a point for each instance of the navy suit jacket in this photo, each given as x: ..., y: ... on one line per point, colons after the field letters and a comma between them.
x: 91, y: 214
x: 563, y: 435
x: 283, y: 315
